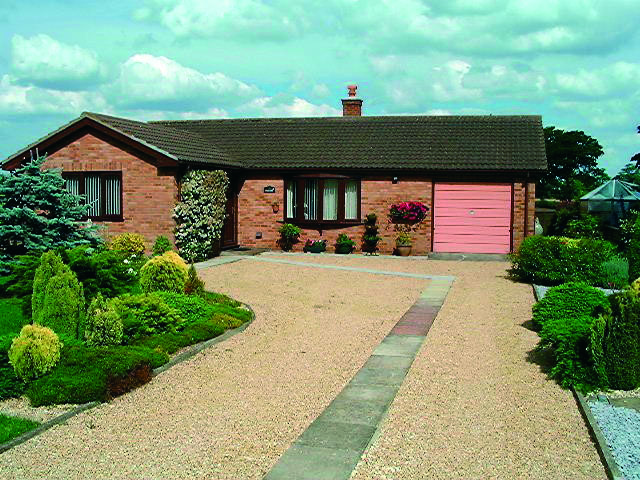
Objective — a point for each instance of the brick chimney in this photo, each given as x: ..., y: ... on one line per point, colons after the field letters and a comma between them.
x: 352, y: 105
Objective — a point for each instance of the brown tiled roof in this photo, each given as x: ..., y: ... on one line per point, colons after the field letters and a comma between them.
x: 385, y: 142
x: 184, y: 145
x: 463, y: 143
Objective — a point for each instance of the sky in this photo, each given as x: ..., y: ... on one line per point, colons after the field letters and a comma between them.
x: 575, y: 62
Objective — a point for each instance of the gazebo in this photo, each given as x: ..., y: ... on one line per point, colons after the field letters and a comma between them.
x: 611, y: 201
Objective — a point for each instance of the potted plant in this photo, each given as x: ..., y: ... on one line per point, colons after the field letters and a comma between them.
x: 314, y: 246
x: 289, y: 235
x: 370, y: 238
x: 344, y: 244
x: 403, y: 244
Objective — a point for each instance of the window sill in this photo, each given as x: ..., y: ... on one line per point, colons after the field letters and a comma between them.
x: 106, y: 219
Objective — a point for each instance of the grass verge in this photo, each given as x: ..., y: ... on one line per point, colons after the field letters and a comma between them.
x: 11, y: 427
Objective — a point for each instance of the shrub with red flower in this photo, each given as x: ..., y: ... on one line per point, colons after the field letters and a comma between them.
x: 412, y: 212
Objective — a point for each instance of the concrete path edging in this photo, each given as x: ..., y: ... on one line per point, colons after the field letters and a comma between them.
x: 331, y: 447
x: 606, y: 456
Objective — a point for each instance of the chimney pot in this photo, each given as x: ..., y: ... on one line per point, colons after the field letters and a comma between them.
x: 352, y: 106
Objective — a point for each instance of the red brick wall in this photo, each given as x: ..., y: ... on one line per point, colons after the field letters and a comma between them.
x: 255, y: 213
x: 519, y: 220
x: 148, y: 196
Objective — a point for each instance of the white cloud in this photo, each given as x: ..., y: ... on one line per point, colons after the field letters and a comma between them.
x: 20, y: 100
x: 286, y: 106
x: 252, y: 19
x: 147, y: 81
x: 320, y: 90
x: 612, y: 80
x: 42, y: 60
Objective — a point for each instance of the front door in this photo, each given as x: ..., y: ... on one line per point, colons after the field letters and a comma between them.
x: 230, y: 228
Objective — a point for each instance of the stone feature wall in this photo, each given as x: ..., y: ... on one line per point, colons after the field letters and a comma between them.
x: 255, y: 213
x: 148, y: 195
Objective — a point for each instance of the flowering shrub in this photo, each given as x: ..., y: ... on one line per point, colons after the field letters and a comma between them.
x: 408, y: 211
x: 200, y: 214
x: 129, y: 243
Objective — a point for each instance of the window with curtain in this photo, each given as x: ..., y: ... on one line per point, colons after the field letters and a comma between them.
x: 102, y: 192
x: 322, y: 200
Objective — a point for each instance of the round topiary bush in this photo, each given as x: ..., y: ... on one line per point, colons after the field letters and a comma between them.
x: 161, y: 245
x: 103, y: 325
x: 161, y: 274
x: 130, y: 243
x: 34, y: 352
x: 175, y: 258
x: 570, y: 300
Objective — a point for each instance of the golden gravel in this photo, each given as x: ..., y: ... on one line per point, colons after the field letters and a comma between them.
x: 230, y: 412
x: 472, y: 406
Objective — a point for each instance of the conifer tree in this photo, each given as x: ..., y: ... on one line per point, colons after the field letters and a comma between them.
x: 37, y: 213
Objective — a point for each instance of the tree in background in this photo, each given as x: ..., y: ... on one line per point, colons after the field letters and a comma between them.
x: 38, y: 214
x: 573, y: 165
x: 631, y: 171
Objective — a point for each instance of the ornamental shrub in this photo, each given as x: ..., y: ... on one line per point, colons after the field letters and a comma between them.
x: 128, y: 243
x: 34, y: 352
x: 175, y: 258
x: 161, y: 274
x: 628, y: 228
x: 289, y: 236
x: 194, y: 333
x: 103, y: 325
x: 161, y: 245
x: 570, y: 300
x: 110, y: 272
x: 145, y: 314
x: 64, y: 306
x: 585, y: 226
x: 191, y: 308
x: 200, y: 214
x: 569, y: 340
x: 87, y: 374
x: 555, y: 260
x: 50, y: 266
x: 621, y: 343
x: 194, y: 285
x: 596, y: 342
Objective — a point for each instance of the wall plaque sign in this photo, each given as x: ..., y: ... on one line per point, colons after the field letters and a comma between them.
x: 269, y: 189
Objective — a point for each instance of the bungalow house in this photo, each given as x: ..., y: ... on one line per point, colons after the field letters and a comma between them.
x: 475, y: 173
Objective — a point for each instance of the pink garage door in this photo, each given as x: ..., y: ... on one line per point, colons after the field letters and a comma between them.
x: 471, y: 218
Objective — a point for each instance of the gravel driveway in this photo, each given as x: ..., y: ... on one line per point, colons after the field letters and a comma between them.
x: 472, y: 405
x: 230, y: 412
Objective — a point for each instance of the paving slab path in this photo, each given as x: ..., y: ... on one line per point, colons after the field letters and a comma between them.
x: 472, y: 405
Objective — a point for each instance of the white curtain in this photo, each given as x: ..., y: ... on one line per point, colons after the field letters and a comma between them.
x: 73, y: 185
x: 291, y: 200
x: 310, y: 199
x: 351, y: 200
x: 112, y: 206
x: 330, y: 200
x: 93, y: 194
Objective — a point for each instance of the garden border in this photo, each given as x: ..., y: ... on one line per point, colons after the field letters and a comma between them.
x: 606, y: 456
x: 191, y: 351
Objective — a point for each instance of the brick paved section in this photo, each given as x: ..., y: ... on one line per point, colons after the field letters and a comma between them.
x: 331, y: 447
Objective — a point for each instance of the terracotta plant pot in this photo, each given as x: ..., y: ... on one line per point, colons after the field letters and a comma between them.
x: 403, y: 250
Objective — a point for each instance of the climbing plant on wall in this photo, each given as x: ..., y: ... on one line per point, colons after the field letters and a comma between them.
x: 200, y: 214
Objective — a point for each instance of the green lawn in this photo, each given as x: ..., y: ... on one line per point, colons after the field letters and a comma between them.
x: 11, y: 427
x: 11, y: 318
